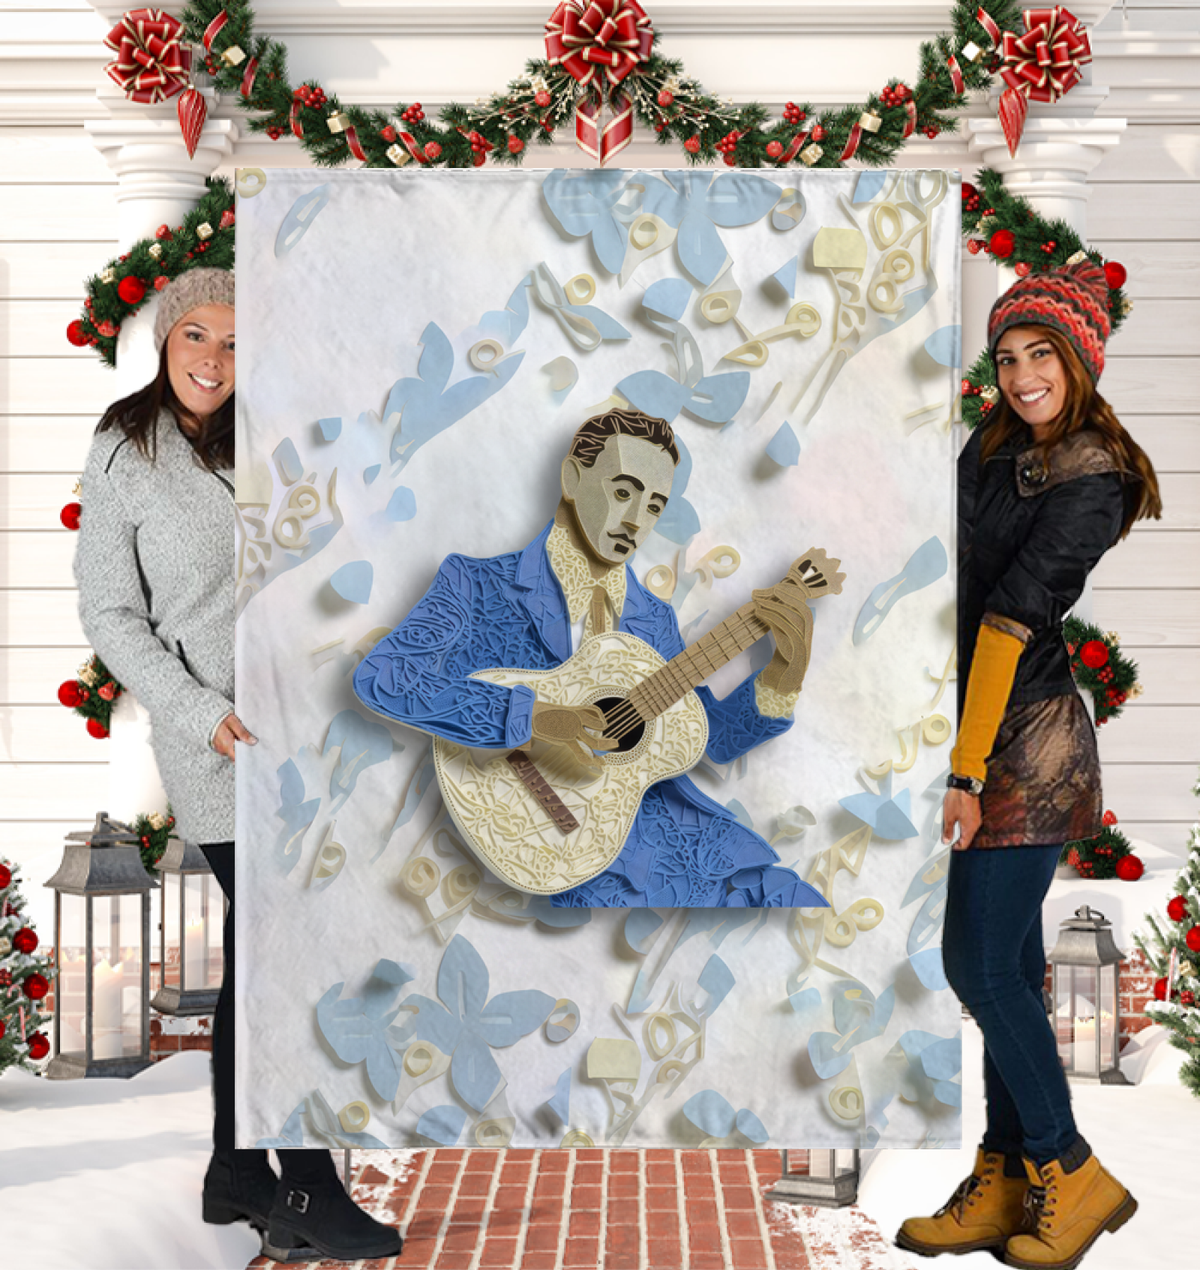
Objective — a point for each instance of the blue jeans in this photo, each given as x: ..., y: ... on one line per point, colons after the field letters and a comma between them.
x: 996, y: 964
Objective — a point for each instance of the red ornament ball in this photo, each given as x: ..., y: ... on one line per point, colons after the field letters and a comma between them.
x: 968, y: 192
x: 161, y: 281
x: 692, y: 145
x: 77, y: 335
x: 96, y: 729
x: 5, y: 876
x: 1002, y: 243
x: 227, y: 218
x: 1115, y: 275
x: 131, y: 289
x: 665, y: 99
x: 1177, y: 909
x: 774, y: 149
x: 163, y: 233
x: 1094, y: 653
x: 542, y: 99
x: 1109, y: 819
x: 69, y: 694
x: 107, y: 691
x: 107, y: 329
x: 974, y: 246
x: 1130, y: 868
x: 433, y: 150
x: 388, y: 133
x: 25, y: 940
x: 515, y: 145
x: 70, y: 515
x: 39, y: 1047
x: 35, y: 986
x: 1022, y: 269
x: 1192, y: 939
x: 1160, y: 989
x: 819, y: 133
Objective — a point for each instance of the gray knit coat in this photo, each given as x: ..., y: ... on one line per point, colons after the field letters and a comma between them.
x: 155, y: 570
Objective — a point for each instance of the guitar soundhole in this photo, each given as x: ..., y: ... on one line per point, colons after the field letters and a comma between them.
x: 631, y: 738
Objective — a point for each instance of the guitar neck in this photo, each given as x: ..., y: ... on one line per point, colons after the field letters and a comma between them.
x: 693, y: 666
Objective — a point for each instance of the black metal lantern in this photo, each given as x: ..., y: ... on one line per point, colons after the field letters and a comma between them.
x: 825, y: 1178
x: 1086, y: 998
x: 190, y: 940
x: 101, y: 952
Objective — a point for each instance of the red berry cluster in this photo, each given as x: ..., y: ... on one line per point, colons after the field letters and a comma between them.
x: 414, y: 114
x: 1187, y: 998
x: 313, y: 98
x: 793, y: 114
x: 728, y: 143
x: 274, y: 132
x: 1049, y: 247
x: 478, y: 145
x: 970, y: 197
x: 895, y: 96
x: 931, y: 131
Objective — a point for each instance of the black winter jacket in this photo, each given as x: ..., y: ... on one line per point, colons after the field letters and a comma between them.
x: 1027, y: 539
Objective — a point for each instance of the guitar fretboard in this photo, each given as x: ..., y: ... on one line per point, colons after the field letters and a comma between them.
x: 697, y: 662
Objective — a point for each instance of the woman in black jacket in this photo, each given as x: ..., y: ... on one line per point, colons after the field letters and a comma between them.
x: 1045, y: 488
x: 154, y: 567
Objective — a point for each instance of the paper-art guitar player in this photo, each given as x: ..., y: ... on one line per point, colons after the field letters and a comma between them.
x: 566, y: 710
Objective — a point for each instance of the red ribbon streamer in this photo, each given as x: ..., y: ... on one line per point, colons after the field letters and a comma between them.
x: 410, y: 144
x: 851, y: 143
x: 150, y: 65
x: 248, y: 77
x: 294, y: 117
x: 910, y: 121
x: 794, y: 147
x: 956, y: 75
x: 213, y: 30
x: 612, y: 37
x: 1042, y: 65
x: 355, y: 145
x: 985, y: 19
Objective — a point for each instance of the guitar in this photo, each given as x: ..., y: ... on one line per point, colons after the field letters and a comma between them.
x: 544, y: 823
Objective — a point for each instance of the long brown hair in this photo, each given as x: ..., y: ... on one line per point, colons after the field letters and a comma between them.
x: 136, y: 415
x: 1084, y: 407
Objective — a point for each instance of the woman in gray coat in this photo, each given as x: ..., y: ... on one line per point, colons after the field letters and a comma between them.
x: 155, y: 570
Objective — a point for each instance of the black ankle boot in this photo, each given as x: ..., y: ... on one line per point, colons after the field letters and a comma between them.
x: 318, y: 1219
x: 239, y: 1186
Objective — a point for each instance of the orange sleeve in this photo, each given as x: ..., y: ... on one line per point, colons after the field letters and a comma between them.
x: 992, y: 672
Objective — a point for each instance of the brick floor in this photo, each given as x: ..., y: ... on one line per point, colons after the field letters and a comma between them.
x: 604, y: 1210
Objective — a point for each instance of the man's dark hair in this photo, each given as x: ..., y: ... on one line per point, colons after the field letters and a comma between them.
x: 592, y: 435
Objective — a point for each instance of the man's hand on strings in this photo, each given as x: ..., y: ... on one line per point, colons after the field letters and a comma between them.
x: 576, y: 730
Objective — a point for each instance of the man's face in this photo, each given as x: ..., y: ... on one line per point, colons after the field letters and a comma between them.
x: 618, y: 500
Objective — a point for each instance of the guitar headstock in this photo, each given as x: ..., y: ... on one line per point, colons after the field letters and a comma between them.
x: 816, y: 574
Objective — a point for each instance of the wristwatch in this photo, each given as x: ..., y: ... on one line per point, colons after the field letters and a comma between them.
x: 968, y: 784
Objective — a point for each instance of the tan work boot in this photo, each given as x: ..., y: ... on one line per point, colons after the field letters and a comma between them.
x: 1069, y: 1212
x: 983, y: 1213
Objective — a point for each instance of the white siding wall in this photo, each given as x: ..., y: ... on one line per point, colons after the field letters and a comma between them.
x: 58, y: 224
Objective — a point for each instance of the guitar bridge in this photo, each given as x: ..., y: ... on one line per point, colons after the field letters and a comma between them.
x: 543, y: 795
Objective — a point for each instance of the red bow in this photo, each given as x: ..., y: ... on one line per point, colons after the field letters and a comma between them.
x: 1042, y: 65
x: 612, y: 36
x: 151, y: 65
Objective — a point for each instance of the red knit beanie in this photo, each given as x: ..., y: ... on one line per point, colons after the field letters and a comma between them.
x: 1073, y: 300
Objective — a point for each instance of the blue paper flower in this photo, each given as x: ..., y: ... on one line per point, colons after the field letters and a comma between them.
x: 466, y: 1025
x: 582, y: 203
x: 358, y: 1028
x: 715, y: 1117
x: 694, y: 203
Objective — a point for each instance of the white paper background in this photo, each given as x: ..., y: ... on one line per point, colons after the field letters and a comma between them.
x: 325, y: 331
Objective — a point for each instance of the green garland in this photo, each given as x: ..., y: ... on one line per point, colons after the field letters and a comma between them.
x: 92, y: 694
x: 1098, y: 857
x: 1099, y: 667
x: 153, y: 831
x: 532, y: 107
x: 204, y: 239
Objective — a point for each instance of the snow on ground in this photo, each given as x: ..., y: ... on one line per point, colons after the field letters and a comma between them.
x: 106, y: 1174
x: 1145, y: 1135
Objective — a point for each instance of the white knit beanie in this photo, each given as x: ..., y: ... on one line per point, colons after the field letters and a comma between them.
x: 191, y: 290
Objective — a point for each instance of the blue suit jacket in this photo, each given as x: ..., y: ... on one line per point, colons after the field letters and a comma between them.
x: 684, y: 849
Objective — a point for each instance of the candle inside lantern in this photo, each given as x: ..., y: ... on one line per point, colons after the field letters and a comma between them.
x: 107, y: 985
x: 1085, y: 1046
x: 195, y: 955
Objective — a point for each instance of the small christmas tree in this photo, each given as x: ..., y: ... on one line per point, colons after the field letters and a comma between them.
x: 1107, y: 855
x: 1177, y: 989
x: 24, y: 980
